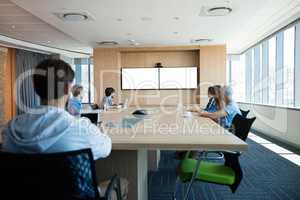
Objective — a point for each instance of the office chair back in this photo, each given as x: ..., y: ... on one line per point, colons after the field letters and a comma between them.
x: 244, y: 112
x: 93, y: 117
x: 65, y: 176
x: 241, y: 126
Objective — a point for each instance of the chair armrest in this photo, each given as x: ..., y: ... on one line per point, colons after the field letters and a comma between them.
x: 204, y: 155
x: 207, y: 155
x: 114, y: 185
x: 224, y: 151
x: 213, y: 155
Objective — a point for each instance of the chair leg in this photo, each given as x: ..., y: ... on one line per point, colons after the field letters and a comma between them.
x: 177, y: 183
x: 199, y: 156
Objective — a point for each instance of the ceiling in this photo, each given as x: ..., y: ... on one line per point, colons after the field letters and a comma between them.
x: 147, y: 22
x: 16, y: 23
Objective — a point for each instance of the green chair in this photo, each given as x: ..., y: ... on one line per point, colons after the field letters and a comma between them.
x: 228, y: 173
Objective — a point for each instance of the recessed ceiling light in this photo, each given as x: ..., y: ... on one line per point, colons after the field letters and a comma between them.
x: 48, y: 41
x: 75, y: 17
x: 146, y: 18
x: 135, y: 44
x: 13, y: 26
x: 219, y: 11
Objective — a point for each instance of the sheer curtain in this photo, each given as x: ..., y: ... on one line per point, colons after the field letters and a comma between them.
x: 26, y: 61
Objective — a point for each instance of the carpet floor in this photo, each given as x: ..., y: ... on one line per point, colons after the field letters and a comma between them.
x: 267, y: 176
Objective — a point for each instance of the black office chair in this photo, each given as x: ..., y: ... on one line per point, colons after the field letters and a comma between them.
x: 241, y: 126
x: 93, y: 117
x: 244, y: 112
x: 61, y: 176
x: 228, y: 173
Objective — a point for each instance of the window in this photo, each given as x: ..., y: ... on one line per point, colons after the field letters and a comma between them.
x: 253, y: 84
x: 288, y: 64
x: 260, y: 74
x: 85, y: 82
x: 257, y: 62
x: 92, y: 88
x: 248, y: 76
x: 238, y: 77
x: 84, y: 72
x: 272, y: 70
x: 265, y: 72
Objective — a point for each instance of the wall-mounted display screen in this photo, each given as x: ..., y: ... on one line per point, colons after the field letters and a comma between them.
x: 159, y: 78
x: 178, y: 78
x: 139, y: 78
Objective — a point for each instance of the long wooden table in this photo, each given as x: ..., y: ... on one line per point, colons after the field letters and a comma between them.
x: 164, y: 128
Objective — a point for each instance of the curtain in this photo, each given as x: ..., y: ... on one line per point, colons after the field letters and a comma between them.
x: 26, y: 61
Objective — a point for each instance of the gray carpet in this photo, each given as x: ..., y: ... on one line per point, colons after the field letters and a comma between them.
x: 267, y: 176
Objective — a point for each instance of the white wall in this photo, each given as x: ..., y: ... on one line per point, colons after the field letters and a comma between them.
x: 279, y: 123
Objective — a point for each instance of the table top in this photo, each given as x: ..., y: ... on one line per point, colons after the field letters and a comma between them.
x: 90, y: 111
x: 167, y: 128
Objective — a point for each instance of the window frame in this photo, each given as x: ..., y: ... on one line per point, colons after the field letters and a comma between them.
x: 79, y: 62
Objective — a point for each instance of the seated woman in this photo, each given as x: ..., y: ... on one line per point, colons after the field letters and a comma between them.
x: 74, y: 104
x: 211, y: 105
x: 226, y: 108
x: 211, y: 101
x: 107, y: 99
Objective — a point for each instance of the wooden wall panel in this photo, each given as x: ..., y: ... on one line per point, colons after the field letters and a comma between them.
x: 9, y: 93
x: 133, y: 59
x: 7, y: 79
x: 107, y: 68
x: 212, y: 68
x: 3, y: 55
x: 167, y: 58
x: 108, y: 62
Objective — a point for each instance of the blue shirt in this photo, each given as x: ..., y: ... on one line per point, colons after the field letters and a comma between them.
x: 231, y: 110
x: 106, y: 101
x: 51, y: 130
x: 211, y: 105
x: 74, y: 106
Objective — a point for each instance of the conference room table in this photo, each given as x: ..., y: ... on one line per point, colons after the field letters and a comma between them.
x: 138, y: 139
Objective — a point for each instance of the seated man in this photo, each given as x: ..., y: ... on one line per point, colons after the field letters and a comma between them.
x: 49, y: 128
x: 226, y: 114
x: 107, y: 100
x: 74, y: 104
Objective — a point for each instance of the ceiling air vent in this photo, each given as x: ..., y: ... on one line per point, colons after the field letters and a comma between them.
x: 107, y: 43
x: 200, y: 40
